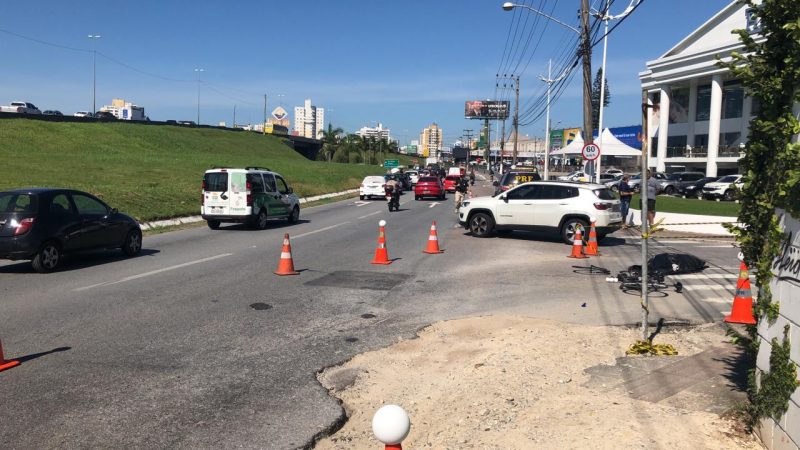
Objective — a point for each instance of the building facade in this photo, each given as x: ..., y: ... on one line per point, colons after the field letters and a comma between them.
x: 430, y: 141
x: 378, y: 132
x: 123, y: 110
x: 309, y: 121
x: 703, y: 113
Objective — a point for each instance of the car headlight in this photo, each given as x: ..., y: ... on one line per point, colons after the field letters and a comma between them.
x: 691, y: 187
x: 464, y: 204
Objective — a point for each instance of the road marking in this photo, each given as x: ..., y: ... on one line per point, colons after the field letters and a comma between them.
x: 704, y: 287
x: 715, y: 246
x: 433, y: 204
x: 703, y: 276
x: 361, y: 203
x: 319, y: 231
x: 154, y: 272
x: 370, y: 214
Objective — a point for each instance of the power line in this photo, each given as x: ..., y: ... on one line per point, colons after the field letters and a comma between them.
x: 39, y: 41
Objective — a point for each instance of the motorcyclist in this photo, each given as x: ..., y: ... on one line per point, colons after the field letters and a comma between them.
x: 392, y: 187
x: 462, y: 192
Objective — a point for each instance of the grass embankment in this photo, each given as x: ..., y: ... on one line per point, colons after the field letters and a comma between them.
x: 153, y: 172
x: 665, y: 203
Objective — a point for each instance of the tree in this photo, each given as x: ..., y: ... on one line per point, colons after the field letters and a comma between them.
x: 596, y: 98
x: 330, y: 142
x: 770, y: 71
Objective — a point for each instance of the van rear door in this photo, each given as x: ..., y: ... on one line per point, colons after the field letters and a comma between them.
x: 217, y: 194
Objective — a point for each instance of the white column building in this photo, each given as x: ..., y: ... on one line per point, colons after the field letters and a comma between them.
x: 704, y: 113
x: 309, y: 121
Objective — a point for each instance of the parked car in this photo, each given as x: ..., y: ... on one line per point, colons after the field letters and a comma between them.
x: 372, y: 186
x: 696, y: 189
x: 104, y: 115
x: 725, y: 188
x: 574, y: 176
x: 429, y: 187
x: 83, y: 114
x: 613, y: 171
x: 450, y: 182
x: 53, y: 112
x: 251, y: 195
x: 20, y: 108
x: 188, y: 123
x: 413, y: 175
x: 636, y: 180
x: 675, y: 182
x: 515, y: 178
x: 44, y: 224
x: 558, y: 207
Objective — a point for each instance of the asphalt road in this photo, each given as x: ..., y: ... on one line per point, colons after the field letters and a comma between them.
x: 196, y: 344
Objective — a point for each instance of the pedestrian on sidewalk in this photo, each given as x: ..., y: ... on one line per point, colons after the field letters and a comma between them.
x: 625, y: 196
x: 652, y: 190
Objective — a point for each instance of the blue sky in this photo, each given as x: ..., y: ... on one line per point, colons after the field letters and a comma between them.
x: 404, y: 63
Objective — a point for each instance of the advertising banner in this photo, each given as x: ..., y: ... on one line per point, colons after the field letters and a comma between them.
x: 569, y: 135
x: 556, y: 139
x: 487, y: 109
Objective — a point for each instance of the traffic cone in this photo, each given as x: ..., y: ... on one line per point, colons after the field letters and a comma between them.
x: 742, y: 311
x: 591, y: 245
x: 6, y: 364
x: 286, y: 264
x: 381, y: 254
x: 433, y: 241
x: 393, y: 447
x: 577, y: 246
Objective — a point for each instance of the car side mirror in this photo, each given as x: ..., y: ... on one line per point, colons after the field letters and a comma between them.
x: 505, y: 198
x: 114, y: 211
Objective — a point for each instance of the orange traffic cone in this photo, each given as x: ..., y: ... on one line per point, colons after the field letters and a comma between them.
x: 591, y: 245
x: 433, y: 241
x: 6, y: 364
x: 381, y: 254
x: 393, y: 447
x: 577, y: 246
x: 742, y: 311
x: 286, y: 264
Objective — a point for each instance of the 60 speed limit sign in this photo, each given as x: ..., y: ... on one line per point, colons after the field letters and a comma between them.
x: 591, y: 152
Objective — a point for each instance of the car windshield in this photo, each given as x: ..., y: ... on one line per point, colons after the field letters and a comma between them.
x: 729, y: 179
x: 674, y: 177
x: 604, y: 194
x: 216, y: 181
x: 13, y: 202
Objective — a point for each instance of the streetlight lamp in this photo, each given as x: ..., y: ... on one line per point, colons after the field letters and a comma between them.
x: 94, y: 38
x: 508, y: 6
x: 198, y: 71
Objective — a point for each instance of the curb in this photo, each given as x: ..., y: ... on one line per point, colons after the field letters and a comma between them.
x: 195, y: 219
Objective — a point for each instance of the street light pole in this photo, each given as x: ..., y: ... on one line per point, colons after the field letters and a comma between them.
x: 549, y: 80
x: 94, y: 37
x: 198, y: 71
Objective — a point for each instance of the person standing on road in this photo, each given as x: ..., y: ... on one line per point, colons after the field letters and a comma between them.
x: 625, y: 196
x: 472, y: 177
x: 652, y: 189
x: 462, y: 190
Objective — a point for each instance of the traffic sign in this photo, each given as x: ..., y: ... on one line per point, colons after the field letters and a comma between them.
x: 591, y: 151
x: 391, y: 163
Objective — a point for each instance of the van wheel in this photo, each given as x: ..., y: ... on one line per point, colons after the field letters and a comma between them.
x: 569, y: 227
x: 669, y: 190
x: 48, y: 257
x: 361, y: 197
x: 294, y: 216
x: 728, y: 196
x: 213, y: 224
x: 261, y: 219
x: 133, y: 243
x: 480, y: 225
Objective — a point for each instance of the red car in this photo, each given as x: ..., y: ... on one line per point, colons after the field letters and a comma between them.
x: 450, y: 182
x: 429, y: 187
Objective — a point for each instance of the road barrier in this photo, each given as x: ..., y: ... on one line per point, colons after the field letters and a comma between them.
x: 577, y: 245
x: 381, y: 254
x: 286, y: 263
x: 391, y: 425
x: 4, y: 363
x: 433, y: 241
x: 742, y: 310
x: 591, y: 245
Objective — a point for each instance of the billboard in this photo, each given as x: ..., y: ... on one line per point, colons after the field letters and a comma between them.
x: 556, y: 139
x: 487, y: 109
x: 570, y: 134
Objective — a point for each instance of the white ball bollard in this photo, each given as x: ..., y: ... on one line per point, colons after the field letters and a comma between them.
x: 391, y: 425
x: 592, y: 220
x: 382, y: 223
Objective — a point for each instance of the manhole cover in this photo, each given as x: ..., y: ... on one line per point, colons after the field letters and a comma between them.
x: 353, y: 279
x: 351, y: 339
x: 368, y: 316
x: 260, y: 306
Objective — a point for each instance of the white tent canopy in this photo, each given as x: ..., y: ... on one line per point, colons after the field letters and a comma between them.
x: 611, y: 146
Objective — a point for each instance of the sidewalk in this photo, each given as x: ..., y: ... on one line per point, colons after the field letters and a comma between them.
x: 503, y: 382
x: 689, y: 223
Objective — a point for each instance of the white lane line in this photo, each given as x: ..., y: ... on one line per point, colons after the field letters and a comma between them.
x: 703, y: 276
x: 319, y: 231
x: 704, y: 287
x: 370, y: 214
x: 716, y: 246
x: 433, y: 204
x: 154, y: 272
x: 361, y: 203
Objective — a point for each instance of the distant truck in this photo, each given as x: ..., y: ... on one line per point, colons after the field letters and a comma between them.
x: 21, y: 108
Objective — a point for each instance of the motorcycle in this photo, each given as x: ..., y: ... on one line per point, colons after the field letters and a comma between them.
x: 392, y: 198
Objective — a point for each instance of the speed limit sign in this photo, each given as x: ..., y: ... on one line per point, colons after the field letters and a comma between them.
x: 591, y: 152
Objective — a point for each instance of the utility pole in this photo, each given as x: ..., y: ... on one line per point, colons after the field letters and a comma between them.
x: 586, y: 52
x: 468, y: 135
x: 516, y: 121
x: 549, y: 80
x: 503, y: 138
x: 94, y: 37
x: 264, y: 127
x: 234, y: 116
x: 488, y: 140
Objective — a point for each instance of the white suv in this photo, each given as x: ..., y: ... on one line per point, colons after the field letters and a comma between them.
x: 725, y: 188
x: 544, y: 206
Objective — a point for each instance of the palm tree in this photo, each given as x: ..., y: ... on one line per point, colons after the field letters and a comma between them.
x: 331, y: 139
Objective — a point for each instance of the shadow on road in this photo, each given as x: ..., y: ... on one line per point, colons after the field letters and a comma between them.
x: 271, y: 225
x: 81, y: 260
x: 32, y: 356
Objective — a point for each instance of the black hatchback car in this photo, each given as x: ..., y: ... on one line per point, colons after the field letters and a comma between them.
x: 42, y: 224
x: 513, y: 178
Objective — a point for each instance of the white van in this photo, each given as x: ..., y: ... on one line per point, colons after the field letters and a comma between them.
x: 252, y: 195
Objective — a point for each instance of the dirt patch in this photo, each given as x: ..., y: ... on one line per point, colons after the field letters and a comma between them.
x: 519, y: 383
